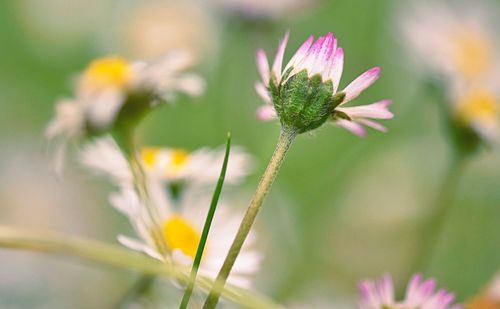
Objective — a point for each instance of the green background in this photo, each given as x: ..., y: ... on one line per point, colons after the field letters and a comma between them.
x: 343, y: 208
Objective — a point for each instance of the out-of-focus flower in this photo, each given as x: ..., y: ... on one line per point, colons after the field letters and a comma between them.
x: 477, y: 108
x: 147, y: 29
x: 170, y: 228
x: 201, y: 166
x: 255, y: 9
x: 305, y: 94
x: 112, y: 86
x: 115, y: 93
x: 451, y: 41
x: 419, y: 294
x: 489, y: 298
x: 457, y: 45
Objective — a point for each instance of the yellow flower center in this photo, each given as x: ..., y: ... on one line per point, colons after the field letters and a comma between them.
x: 478, y: 105
x: 149, y: 156
x: 108, y: 72
x: 472, y: 53
x: 180, y: 234
x: 179, y: 158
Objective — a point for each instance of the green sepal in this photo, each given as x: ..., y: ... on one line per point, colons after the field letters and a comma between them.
x: 304, y: 103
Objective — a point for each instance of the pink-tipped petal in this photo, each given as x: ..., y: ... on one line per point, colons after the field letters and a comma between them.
x: 352, y: 126
x: 263, y: 93
x: 337, y: 67
x: 369, y: 297
x: 412, y: 291
x: 365, y: 80
x: 377, y: 110
x: 278, y: 60
x: 263, y: 66
x: 266, y: 113
x: 299, y: 55
x: 386, y: 290
x: 313, y: 54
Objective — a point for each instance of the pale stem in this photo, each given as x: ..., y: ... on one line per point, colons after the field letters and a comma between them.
x: 105, y: 254
x: 284, y: 142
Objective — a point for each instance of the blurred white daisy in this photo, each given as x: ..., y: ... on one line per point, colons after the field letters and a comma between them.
x: 453, y: 40
x: 201, y: 166
x: 419, y: 294
x: 113, y: 92
x: 108, y: 85
x: 170, y: 228
x: 478, y: 108
x: 457, y: 44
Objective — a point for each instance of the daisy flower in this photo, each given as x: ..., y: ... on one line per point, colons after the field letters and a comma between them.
x: 113, y: 90
x: 477, y: 108
x: 198, y: 167
x: 420, y: 294
x: 306, y: 92
x: 450, y: 40
x: 169, y: 228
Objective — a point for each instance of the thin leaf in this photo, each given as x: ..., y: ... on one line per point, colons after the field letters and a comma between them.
x: 206, y: 227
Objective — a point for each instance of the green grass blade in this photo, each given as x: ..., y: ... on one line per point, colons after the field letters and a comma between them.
x: 206, y: 227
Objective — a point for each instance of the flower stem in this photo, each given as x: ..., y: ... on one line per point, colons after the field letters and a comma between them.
x: 206, y: 228
x: 111, y: 255
x: 284, y: 142
x: 440, y: 210
x: 126, y: 143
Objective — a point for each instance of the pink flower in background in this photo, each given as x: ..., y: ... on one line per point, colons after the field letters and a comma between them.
x: 420, y: 294
x: 324, y: 59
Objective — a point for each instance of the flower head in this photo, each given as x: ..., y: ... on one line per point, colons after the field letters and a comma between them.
x: 198, y: 167
x: 113, y: 91
x: 419, y: 295
x: 450, y: 41
x: 170, y: 227
x: 476, y: 108
x: 305, y: 94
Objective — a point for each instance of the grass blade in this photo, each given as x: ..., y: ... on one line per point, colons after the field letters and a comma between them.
x: 206, y: 227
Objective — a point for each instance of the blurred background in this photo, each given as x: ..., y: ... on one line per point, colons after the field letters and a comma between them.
x: 342, y: 209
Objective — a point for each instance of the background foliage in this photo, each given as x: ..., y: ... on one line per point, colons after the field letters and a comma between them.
x: 342, y: 209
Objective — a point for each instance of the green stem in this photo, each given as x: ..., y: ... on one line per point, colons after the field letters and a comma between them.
x: 284, y: 142
x: 206, y: 228
x: 439, y: 212
x: 120, y: 257
x: 126, y: 143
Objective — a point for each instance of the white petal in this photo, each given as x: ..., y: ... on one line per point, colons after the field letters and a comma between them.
x: 139, y: 246
x: 102, y: 109
x: 104, y: 156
